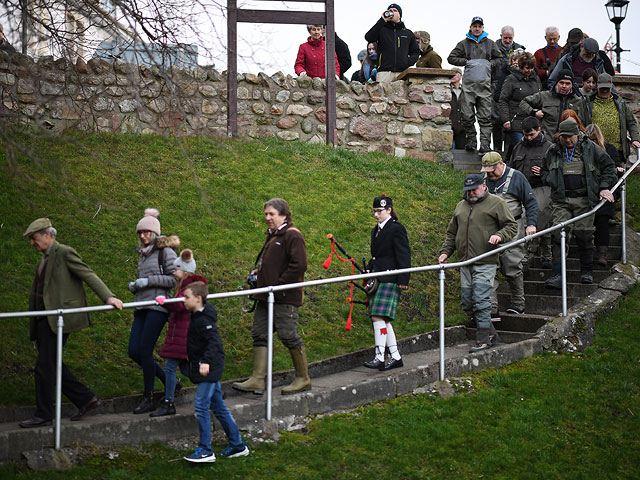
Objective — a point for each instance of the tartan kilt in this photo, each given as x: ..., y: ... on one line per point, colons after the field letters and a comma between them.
x: 385, y: 301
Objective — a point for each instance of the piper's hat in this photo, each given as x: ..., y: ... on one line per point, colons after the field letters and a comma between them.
x: 490, y: 161
x: 382, y: 202
x: 472, y: 182
x: 36, y: 226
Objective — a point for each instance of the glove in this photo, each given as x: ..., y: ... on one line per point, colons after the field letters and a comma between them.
x: 160, y: 300
x: 132, y: 287
x: 142, y: 283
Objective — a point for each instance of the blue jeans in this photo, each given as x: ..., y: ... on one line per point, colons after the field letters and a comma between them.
x: 170, y: 367
x: 515, y: 137
x: 146, y: 328
x: 209, y: 396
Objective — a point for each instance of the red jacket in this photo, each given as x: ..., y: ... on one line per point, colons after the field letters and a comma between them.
x: 541, y: 61
x: 175, y: 345
x: 310, y: 59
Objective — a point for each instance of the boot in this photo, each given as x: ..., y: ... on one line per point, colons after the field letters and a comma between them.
x: 255, y: 383
x: 165, y: 408
x: 146, y: 405
x: 302, y: 381
x: 602, y: 255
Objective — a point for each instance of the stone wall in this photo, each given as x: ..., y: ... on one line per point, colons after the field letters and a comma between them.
x: 399, y: 118
x: 406, y: 117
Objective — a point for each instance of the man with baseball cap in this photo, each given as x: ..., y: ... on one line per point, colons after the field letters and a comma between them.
x: 580, y: 57
x: 513, y: 187
x: 58, y: 284
x: 580, y: 174
x: 397, y: 45
x: 479, y: 56
x: 547, y: 106
x: 609, y: 111
x: 471, y: 235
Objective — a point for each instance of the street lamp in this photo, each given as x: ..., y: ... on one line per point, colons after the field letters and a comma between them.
x: 617, y: 11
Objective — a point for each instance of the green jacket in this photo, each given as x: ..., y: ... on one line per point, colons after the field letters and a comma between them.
x: 600, y: 171
x: 64, y: 275
x: 552, y: 105
x: 628, y: 122
x: 472, y: 225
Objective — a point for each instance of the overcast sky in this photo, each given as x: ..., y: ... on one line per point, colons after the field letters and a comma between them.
x: 272, y: 48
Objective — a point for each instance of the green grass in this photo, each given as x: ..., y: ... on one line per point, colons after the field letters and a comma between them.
x: 95, y: 188
x: 552, y: 416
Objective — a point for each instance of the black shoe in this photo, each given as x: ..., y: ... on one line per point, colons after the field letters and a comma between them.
x: 515, y: 310
x: 470, y: 147
x: 484, y: 149
x: 478, y: 347
x: 554, y: 282
x: 586, y: 278
x: 375, y: 364
x: 145, y: 406
x: 547, y: 264
x: 393, y: 363
x: 165, y: 408
x: 90, y: 405
x: 494, y: 339
x: 179, y: 386
x: 34, y: 422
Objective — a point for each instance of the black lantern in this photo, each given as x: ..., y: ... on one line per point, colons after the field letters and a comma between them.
x: 617, y: 12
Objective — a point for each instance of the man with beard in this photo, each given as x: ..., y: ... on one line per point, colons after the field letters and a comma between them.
x: 512, y: 186
x: 480, y: 222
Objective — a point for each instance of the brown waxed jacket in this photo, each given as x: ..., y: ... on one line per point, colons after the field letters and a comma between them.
x: 283, y: 260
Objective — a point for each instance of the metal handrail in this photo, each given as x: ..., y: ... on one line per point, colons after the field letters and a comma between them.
x: 348, y: 278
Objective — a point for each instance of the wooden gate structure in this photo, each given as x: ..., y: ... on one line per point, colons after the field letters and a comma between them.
x: 237, y: 15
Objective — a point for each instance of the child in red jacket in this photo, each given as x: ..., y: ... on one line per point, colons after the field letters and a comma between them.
x: 175, y: 344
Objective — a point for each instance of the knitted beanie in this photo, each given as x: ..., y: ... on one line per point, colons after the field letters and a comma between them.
x: 149, y: 221
x: 185, y: 261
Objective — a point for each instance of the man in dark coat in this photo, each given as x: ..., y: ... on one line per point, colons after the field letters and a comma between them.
x: 58, y: 284
x: 397, y: 46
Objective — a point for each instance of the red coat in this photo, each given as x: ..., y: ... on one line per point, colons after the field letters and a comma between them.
x: 541, y: 60
x: 175, y: 345
x: 310, y: 59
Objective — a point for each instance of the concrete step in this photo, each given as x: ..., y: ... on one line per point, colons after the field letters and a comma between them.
x: 336, y: 389
x: 538, y: 304
x: 574, y: 264
x: 506, y: 336
x: 573, y: 276
x: 537, y: 288
x: 529, y: 323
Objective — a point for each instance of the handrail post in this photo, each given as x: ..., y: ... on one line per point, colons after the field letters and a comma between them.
x: 271, y: 300
x: 441, y: 274
x: 623, y: 207
x: 563, y: 264
x: 60, y: 333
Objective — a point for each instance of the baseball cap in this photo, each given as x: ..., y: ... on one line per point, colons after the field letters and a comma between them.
x: 490, y: 161
x: 472, y: 182
x: 477, y: 20
x: 605, y: 81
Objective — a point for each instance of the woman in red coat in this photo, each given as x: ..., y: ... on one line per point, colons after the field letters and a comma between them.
x: 175, y: 344
x: 310, y: 59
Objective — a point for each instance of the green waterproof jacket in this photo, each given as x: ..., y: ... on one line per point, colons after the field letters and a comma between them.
x: 628, y: 124
x: 600, y: 171
x: 472, y: 225
x: 63, y: 279
x: 552, y: 105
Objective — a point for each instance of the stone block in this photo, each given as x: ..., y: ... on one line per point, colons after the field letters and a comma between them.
x: 258, y: 108
x: 266, y: 94
x: 428, y: 89
x: 214, y: 75
x: 279, y: 79
x: 417, y: 97
x: 321, y: 114
x: 406, y: 142
x: 256, y: 94
x: 128, y: 106
x: 386, y: 149
x: 157, y: 105
x: 315, y: 97
x: 316, y: 139
x: 367, y: 128
x: 114, y: 91
x: 318, y: 83
x: 304, y: 81
x: 103, y: 104
x: 341, y: 87
x: 411, y: 130
x: 287, y: 122
x: 378, y: 107
x: 307, y: 125
x: 446, y: 109
x: 302, y: 110
x: 357, y: 88
x: 341, y: 124
x: 264, y: 120
x: 283, y: 96
x: 209, y: 107
x: 435, y: 140
x: 426, y: 156
x: 47, y: 88
x: 251, y: 78
x: 346, y: 102
x: 409, y: 112
x: 277, y: 109
x: 170, y: 119
x: 394, y: 128
x: 97, y: 66
x: 399, y: 152
x: 297, y: 96
x: 288, y: 136
x: 401, y: 101
x: 397, y: 88
x: 428, y: 111
x: 364, y: 108
x: 7, y: 79
x: 442, y: 94
x: 393, y: 109
x: 243, y: 93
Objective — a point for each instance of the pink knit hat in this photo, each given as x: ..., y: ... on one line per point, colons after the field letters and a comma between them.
x: 149, y: 221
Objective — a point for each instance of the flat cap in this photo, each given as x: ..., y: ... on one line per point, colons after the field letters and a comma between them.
x: 36, y: 226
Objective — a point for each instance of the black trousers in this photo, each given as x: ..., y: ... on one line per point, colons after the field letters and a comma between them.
x: 45, y: 375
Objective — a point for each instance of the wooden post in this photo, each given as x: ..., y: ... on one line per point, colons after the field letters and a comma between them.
x: 232, y: 68
x: 330, y: 53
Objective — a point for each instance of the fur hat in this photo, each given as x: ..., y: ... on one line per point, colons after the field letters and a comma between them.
x: 149, y: 221
x: 185, y: 261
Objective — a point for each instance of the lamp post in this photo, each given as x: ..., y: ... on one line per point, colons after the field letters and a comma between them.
x: 617, y: 11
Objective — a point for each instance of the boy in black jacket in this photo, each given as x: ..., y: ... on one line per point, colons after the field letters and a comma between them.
x: 206, y: 363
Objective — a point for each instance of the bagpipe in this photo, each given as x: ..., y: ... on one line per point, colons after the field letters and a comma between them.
x: 369, y: 285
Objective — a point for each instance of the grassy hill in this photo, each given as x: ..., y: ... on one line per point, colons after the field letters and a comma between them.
x: 210, y: 193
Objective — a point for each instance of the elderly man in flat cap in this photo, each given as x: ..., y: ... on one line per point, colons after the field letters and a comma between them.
x: 58, y: 284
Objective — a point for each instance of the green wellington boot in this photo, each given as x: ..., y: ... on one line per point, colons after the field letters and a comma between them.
x: 302, y: 381
x: 255, y: 383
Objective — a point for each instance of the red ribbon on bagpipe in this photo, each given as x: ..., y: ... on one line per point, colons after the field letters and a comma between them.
x: 327, y: 264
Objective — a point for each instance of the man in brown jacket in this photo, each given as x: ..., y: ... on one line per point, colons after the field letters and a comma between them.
x: 58, y: 284
x: 282, y: 260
